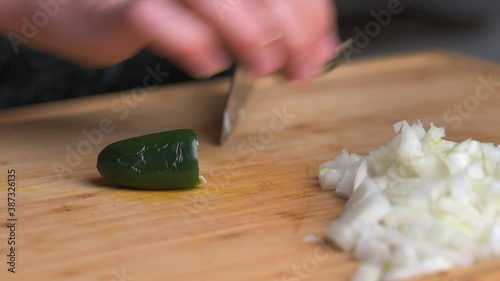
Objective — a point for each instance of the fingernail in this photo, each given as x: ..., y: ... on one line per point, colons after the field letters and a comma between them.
x: 330, y: 45
x: 266, y: 61
x: 307, y: 73
x: 213, y: 65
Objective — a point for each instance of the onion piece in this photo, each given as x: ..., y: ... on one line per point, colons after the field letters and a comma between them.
x: 420, y: 204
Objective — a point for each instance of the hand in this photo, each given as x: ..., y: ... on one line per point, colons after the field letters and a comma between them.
x: 200, y: 36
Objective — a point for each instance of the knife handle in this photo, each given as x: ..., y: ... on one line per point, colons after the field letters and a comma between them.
x: 342, y: 49
x: 334, y: 63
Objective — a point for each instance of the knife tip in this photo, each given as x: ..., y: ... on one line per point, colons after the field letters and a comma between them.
x: 226, y: 129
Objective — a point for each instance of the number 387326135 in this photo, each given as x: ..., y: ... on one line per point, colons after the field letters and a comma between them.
x: 11, y: 193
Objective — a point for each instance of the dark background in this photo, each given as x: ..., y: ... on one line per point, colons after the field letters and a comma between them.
x: 469, y: 27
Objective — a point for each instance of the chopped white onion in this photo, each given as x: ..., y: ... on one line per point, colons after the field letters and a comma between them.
x: 418, y: 205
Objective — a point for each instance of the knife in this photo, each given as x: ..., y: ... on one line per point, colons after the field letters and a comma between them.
x: 241, y: 88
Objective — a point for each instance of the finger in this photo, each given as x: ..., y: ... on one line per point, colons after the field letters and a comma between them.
x: 310, y: 32
x: 93, y: 35
x: 247, y: 29
x: 181, y: 36
x: 109, y: 37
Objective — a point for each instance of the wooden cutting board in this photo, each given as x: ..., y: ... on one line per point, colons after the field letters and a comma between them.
x: 262, y: 196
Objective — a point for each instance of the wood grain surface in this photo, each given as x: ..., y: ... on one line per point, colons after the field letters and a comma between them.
x: 262, y: 198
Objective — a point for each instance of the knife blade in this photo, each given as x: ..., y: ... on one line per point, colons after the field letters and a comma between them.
x: 241, y: 87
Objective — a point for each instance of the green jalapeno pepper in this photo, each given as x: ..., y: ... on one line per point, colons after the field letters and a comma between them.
x: 167, y: 160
